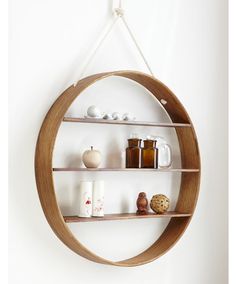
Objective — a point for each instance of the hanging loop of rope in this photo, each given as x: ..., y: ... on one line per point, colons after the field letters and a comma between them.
x: 119, y: 14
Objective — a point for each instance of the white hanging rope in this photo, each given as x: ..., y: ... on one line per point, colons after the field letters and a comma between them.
x: 119, y: 13
x: 100, y: 42
x: 136, y: 44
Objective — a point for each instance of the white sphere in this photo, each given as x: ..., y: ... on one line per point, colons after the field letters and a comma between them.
x: 116, y: 116
x: 93, y: 111
x: 107, y: 116
x: 128, y: 116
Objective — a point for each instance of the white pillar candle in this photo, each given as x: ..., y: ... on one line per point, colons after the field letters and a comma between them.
x: 98, y: 198
x: 85, y: 199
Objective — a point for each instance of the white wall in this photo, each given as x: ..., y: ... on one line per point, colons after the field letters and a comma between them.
x: 186, y: 45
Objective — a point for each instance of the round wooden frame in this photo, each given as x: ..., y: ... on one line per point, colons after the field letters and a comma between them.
x: 190, y: 158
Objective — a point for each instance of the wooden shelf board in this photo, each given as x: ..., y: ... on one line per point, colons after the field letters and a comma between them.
x: 125, y: 216
x: 123, y: 122
x: 73, y: 169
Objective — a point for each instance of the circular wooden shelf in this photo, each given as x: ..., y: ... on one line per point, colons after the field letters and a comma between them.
x: 190, y: 159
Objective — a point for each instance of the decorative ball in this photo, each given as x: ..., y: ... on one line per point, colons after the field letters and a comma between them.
x: 159, y: 203
x: 127, y: 116
x: 107, y: 116
x: 116, y: 116
x: 93, y: 111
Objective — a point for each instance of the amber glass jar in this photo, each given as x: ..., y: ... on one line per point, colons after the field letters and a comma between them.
x: 133, y: 153
x: 149, y: 154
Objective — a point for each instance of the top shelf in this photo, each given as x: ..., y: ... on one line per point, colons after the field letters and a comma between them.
x: 123, y: 122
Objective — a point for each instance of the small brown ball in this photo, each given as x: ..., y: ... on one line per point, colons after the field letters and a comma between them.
x: 159, y: 203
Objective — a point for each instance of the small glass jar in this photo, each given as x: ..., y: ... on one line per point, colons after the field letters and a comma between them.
x: 149, y: 154
x: 164, y: 156
x: 133, y: 153
x: 164, y: 153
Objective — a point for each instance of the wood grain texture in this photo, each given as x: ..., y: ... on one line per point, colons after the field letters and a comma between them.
x: 189, y: 154
x: 125, y: 216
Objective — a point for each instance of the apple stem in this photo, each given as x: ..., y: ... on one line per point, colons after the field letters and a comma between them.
x: 91, y: 147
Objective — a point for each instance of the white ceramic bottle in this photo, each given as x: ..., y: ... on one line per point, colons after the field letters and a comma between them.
x: 85, y: 199
x: 98, y: 198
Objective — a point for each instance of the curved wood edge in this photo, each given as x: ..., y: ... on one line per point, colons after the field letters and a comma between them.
x: 172, y: 233
x: 44, y: 176
x: 43, y: 169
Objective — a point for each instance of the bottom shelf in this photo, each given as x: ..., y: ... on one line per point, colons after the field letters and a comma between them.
x: 125, y: 216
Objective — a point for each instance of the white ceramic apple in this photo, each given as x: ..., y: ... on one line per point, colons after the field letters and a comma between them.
x: 92, y: 158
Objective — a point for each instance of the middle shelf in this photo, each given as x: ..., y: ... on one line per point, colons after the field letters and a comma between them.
x: 73, y: 169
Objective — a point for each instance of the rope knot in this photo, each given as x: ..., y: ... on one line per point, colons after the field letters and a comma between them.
x: 119, y: 12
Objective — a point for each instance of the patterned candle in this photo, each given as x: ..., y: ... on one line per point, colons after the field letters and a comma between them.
x: 98, y: 198
x: 85, y: 199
